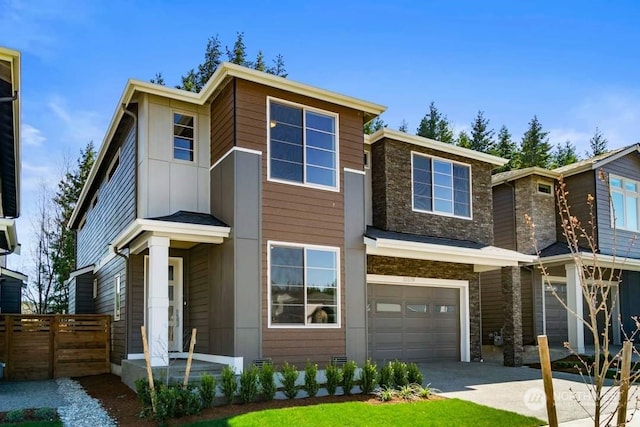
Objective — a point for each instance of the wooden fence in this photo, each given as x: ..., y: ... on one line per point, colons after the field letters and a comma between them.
x: 35, y: 347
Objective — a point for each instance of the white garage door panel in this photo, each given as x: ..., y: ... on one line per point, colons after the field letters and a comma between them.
x: 427, y: 327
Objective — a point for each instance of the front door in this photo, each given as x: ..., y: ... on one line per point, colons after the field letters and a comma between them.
x: 175, y: 304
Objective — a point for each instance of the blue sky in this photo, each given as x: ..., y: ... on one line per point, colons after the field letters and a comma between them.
x: 575, y: 64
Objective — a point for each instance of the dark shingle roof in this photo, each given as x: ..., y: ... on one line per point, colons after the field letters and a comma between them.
x: 376, y: 233
x: 559, y: 248
x: 192, y: 218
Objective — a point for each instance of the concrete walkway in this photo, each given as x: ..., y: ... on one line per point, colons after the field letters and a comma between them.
x: 518, y: 390
x: 29, y: 394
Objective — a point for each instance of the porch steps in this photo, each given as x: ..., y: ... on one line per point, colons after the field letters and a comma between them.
x: 134, y: 369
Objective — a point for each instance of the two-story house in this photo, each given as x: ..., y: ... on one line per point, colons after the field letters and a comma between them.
x: 255, y: 212
x: 613, y: 179
x: 11, y: 282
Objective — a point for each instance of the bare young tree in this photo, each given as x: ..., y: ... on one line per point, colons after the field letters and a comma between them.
x: 596, y: 282
x: 41, y: 286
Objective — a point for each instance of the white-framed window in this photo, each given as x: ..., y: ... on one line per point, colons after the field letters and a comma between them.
x: 545, y: 188
x: 440, y: 186
x: 303, y: 145
x: 183, y: 136
x: 95, y: 288
x: 304, y: 285
x: 117, y: 293
x: 367, y: 159
x: 625, y: 194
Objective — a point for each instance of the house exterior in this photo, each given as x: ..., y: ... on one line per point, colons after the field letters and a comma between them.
x: 249, y: 211
x: 11, y: 282
x: 613, y: 181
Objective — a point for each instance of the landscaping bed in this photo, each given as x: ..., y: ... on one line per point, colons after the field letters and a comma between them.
x: 573, y: 364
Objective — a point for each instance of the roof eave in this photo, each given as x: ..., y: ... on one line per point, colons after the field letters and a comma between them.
x: 13, y: 56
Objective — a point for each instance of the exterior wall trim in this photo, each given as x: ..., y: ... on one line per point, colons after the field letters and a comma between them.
x: 354, y: 171
x: 13, y: 274
x: 461, y: 285
x: 242, y: 149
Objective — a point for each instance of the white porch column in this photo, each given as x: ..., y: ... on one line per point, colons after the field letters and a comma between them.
x: 574, y: 301
x: 158, y: 300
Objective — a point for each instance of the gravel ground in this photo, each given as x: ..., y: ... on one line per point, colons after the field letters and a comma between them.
x: 76, y: 408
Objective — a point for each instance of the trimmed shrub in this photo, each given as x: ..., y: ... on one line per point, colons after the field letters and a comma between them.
x: 228, y: 384
x: 400, y: 374
x: 266, y: 376
x: 348, y: 376
x: 46, y: 414
x: 413, y: 374
x: 15, y: 416
x: 385, y: 378
x: 207, y: 389
x: 334, y: 378
x: 144, y: 393
x: 368, y: 377
x: 288, y: 376
x: 175, y: 401
x: 249, y: 384
x: 310, y: 380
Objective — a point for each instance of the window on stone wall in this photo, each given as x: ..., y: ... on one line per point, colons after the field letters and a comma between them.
x: 440, y: 186
x: 625, y: 194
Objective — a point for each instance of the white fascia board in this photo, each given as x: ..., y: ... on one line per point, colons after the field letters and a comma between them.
x: 487, y: 256
x: 13, y: 57
x: 8, y: 227
x: 587, y: 258
x: 501, y: 178
x: 174, y: 230
x: 434, y: 145
x: 14, y: 274
x: 80, y: 272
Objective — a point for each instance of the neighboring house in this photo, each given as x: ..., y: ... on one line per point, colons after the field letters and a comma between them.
x: 613, y: 179
x: 11, y: 282
x: 247, y: 211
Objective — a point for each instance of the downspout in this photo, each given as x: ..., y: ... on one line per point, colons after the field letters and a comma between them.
x: 10, y: 98
x: 129, y: 274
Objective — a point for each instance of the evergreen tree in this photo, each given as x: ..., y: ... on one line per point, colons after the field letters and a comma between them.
x: 212, y: 59
x: 63, y: 242
x: 464, y: 140
x: 505, y: 147
x: 374, y: 125
x: 238, y: 55
x: 598, y: 144
x: 481, y: 135
x: 260, y: 64
x: 535, y: 149
x: 435, y: 126
x: 564, y: 154
x: 278, y: 67
x: 158, y: 79
x: 404, y: 126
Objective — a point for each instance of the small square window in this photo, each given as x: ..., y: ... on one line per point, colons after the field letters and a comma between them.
x: 183, y: 137
x: 544, y: 188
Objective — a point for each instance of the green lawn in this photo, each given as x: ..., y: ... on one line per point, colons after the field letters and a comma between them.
x: 447, y: 412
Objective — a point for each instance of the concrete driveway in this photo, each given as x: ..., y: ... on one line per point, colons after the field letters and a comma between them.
x: 513, y: 389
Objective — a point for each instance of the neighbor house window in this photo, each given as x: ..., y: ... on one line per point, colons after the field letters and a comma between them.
x: 304, y: 285
x: 441, y: 186
x: 544, y: 188
x: 117, y: 303
x: 625, y: 194
x: 183, y: 137
x: 302, y: 145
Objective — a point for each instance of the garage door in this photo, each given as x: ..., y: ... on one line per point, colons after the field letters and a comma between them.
x: 556, y: 315
x: 413, y: 323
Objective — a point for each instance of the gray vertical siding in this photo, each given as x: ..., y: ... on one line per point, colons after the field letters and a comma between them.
x: 10, y: 295
x: 355, y: 283
x: 504, y: 216
x: 616, y: 242
x: 629, y: 300
x: 579, y: 186
x: 104, y: 304
x: 115, y: 208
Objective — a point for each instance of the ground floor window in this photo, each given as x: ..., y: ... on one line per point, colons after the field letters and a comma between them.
x: 303, y: 285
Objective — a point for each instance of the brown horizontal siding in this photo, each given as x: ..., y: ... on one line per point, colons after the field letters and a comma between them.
x: 222, y: 124
x: 492, y: 304
x: 199, y: 296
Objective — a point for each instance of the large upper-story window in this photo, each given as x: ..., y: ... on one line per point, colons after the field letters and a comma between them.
x: 303, y: 145
x: 441, y: 186
x: 183, y: 131
x: 303, y: 285
x: 625, y: 194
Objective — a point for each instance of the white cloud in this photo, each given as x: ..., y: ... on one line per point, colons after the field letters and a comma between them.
x: 31, y: 136
x: 77, y: 126
x: 34, y: 175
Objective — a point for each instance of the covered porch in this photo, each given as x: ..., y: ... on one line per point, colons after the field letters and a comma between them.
x: 174, y: 272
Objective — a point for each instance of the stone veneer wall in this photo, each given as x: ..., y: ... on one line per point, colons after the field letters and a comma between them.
x: 392, y: 198
x: 542, y: 210
x: 394, y: 266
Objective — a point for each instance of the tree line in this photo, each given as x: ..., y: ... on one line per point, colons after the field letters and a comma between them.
x: 533, y: 149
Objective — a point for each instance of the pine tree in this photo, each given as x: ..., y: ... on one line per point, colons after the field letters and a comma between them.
x: 238, y: 55
x: 435, y: 126
x: 260, y: 64
x: 374, y: 125
x: 464, y: 140
x: 481, y: 135
x: 404, y: 126
x: 535, y: 149
x: 564, y: 154
x: 212, y: 59
x: 158, y: 79
x: 598, y: 144
x: 278, y: 67
x: 505, y: 147
x: 63, y: 242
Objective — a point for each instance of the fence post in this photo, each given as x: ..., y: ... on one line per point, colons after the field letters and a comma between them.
x: 53, y: 345
x: 107, y: 347
x: 547, y: 379
x: 624, y: 383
